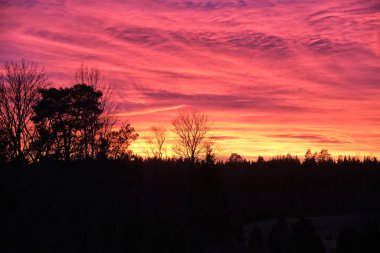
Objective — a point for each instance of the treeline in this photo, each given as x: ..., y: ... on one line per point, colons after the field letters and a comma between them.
x: 322, y: 159
x: 39, y: 122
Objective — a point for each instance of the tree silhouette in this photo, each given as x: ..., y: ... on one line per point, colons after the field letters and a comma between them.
x: 209, y: 146
x: 63, y: 118
x: 115, y: 144
x: 19, y: 85
x: 87, y: 106
x: 191, y: 129
x: 156, y: 142
x: 235, y: 158
x: 95, y: 78
x: 52, y: 123
x: 310, y: 158
x: 260, y: 160
x: 324, y: 156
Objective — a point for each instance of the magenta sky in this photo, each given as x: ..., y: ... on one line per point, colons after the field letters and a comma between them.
x: 273, y: 76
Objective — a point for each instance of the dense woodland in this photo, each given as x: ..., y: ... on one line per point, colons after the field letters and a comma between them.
x: 69, y: 183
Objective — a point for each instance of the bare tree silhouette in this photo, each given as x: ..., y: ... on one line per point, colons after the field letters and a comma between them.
x: 19, y: 86
x: 191, y: 128
x: 156, y: 142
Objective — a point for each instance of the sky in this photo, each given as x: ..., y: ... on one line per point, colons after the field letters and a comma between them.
x: 273, y: 76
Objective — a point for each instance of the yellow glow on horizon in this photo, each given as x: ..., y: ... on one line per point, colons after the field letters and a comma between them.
x: 252, y: 143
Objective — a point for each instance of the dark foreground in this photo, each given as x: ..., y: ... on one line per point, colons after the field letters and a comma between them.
x: 173, y: 206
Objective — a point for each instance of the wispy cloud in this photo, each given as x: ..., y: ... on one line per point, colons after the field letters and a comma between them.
x: 147, y: 112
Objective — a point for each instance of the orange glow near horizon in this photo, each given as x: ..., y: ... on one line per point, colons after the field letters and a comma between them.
x: 273, y: 76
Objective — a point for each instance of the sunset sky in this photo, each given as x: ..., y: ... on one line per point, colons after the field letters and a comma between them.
x: 274, y: 77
